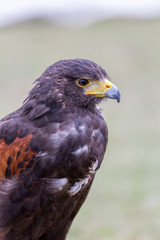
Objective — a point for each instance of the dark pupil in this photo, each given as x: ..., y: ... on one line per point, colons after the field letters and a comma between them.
x: 83, y: 82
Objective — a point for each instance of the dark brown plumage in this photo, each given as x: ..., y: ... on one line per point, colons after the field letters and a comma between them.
x: 50, y: 149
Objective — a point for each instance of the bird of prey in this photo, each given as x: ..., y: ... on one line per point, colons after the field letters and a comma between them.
x: 50, y: 150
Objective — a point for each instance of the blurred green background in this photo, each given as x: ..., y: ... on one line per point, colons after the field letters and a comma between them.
x: 124, y: 202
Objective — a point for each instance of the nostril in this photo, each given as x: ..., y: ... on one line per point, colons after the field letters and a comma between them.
x: 108, y: 86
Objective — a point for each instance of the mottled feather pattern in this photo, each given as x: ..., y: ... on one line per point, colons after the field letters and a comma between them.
x: 15, y: 152
x: 50, y: 150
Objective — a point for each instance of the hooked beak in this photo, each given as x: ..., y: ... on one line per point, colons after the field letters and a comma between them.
x: 112, y: 91
x: 103, y: 88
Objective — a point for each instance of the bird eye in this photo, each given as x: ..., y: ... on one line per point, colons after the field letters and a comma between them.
x: 83, y: 82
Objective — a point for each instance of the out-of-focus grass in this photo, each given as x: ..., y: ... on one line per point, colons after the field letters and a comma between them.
x: 124, y: 202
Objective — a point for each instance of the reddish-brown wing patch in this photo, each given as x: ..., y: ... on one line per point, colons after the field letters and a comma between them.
x: 16, y: 157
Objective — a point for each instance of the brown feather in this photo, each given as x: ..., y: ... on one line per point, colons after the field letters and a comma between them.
x: 15, y: 157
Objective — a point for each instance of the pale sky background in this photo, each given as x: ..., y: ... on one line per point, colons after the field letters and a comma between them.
x: 76, y: 11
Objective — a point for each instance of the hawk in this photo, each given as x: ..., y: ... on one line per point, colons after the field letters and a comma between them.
x: 50, y: 150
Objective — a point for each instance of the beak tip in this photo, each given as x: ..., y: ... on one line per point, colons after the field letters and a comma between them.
x: 118, y: 96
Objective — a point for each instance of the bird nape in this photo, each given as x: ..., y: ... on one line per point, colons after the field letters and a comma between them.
x: 50, y: 150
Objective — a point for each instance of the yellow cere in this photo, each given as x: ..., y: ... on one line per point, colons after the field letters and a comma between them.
x: 98, y: 88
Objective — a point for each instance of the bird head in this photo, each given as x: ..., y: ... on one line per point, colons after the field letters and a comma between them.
x: 77, y: 82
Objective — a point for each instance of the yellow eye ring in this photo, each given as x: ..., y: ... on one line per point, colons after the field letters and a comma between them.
x: 83, y: 82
